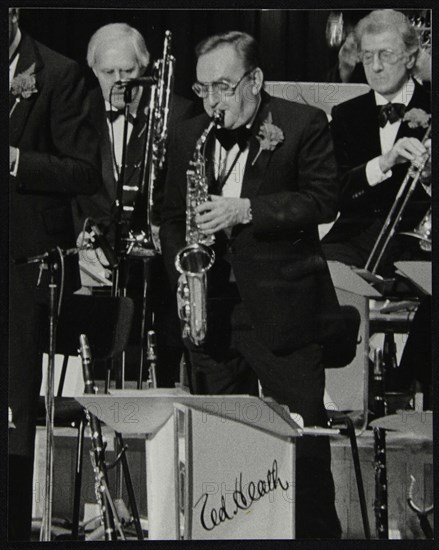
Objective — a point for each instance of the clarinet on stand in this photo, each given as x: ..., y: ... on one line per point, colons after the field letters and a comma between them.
x: 151, y: 358
x: 381, y: 497
x: 109, y: 516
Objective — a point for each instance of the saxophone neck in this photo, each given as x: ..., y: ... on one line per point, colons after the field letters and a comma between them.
x: 216, y: 121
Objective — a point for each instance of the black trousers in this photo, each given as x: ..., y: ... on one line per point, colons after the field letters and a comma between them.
x: 232, y: 360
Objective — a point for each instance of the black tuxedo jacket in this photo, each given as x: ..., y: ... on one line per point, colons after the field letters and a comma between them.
x: 99, y: 206
x: 58, y: 152
x: 58, y: 158
x: 281, y: 274
x: 355, y: 131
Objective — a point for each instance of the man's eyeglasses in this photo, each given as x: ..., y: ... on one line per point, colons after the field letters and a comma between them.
x: 387, y: 57
x: 203, y: 89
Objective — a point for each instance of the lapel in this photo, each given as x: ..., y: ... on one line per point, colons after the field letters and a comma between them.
x: 254, y: 171
x: 134, y: 149
x: 99, y: 120
x: 28, y: 54
x: 367, y: 132
x: 419, y: 100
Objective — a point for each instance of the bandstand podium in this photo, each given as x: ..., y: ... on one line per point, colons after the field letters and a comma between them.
x: 217, y: 467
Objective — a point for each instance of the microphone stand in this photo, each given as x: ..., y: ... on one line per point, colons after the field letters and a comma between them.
x: 49, y: 260
x: 121, y: 463
x: 46, y: 526
x: 119, y: 370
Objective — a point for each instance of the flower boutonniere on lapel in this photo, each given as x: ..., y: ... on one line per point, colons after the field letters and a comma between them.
x: 416, y: 118
x: 269, y: 136
x: 23, y: 86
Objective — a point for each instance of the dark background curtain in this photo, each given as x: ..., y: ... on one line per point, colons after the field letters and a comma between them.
x: 292, y: 42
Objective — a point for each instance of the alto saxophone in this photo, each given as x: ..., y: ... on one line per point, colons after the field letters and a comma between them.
x: 196, y: 258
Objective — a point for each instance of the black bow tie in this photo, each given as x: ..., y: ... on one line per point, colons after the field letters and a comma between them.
x: 113, y: 115
x: 390, y: 112
x: 228, y: 138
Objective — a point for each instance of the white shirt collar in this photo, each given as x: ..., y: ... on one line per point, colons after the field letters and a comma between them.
x: 404, y: 95
x: 15, y: 43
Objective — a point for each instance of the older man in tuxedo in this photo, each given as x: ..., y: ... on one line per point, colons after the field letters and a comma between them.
x: 272, y: 179
x: 52, y: 156
x: 376, y: 137
x: 117, y: 52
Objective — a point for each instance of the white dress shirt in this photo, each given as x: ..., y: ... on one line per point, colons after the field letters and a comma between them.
x: 115, y: 131
x: 12, y: 68
x: 12, y: 49
x: 224, y: 160
x: 388, y: 133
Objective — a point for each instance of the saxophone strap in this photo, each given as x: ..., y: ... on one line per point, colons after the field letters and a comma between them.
x: 225, y: 174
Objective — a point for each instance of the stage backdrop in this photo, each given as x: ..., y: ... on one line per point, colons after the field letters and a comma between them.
x: 292, y: 42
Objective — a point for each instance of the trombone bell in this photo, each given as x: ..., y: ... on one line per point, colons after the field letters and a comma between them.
x: 422, y: 232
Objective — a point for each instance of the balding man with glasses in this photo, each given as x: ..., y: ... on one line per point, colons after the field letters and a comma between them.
x: 376, y: 137
x: 272, y: 180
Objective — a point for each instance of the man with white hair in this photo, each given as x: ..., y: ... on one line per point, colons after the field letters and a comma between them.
x: 376, y: 137
x: 117, y: 52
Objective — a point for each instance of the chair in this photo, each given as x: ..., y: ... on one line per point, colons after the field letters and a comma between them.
x: 106, y: 321
x: 337, y: 354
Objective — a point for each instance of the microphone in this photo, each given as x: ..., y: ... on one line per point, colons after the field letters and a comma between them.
x: 51, y: 256
x: 133, y: 82
x: 102, y: 242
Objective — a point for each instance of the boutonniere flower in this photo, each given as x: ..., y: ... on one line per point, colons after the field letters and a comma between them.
x: 269, y: 136
x: 416, y: 118
x: 23, y: 86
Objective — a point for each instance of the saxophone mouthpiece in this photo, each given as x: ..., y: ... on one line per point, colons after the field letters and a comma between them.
x: 218, y: 118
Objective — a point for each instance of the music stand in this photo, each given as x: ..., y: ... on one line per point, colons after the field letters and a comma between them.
x: 176, y: 424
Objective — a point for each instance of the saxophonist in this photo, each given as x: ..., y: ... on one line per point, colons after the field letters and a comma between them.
x: 271, y: 175
x: 117, y: 52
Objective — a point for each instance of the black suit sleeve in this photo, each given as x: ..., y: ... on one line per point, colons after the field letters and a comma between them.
x: 314, y: 197
x: 173, y: 215
x: 71, y: 167
x: 352, y: 175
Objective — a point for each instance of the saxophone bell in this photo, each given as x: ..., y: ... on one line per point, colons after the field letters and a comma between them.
x: 193, y: 262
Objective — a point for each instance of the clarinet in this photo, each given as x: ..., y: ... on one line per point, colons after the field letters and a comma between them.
x: 97, y: 453
x: 151, y: 357
x: 380, y: 504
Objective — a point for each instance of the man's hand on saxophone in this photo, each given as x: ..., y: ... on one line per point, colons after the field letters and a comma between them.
x: 222, y: 213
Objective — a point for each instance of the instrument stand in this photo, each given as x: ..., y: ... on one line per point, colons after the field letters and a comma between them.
x: 46, y: 525
x: 122, y: 461
x: 422, y: 513
x: 119, y: 288
x: 49, y: 260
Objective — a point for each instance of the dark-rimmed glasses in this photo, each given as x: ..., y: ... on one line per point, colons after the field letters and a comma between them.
x: 203, y: 89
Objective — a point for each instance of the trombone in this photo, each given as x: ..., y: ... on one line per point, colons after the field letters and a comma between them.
x: 393, y: 218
